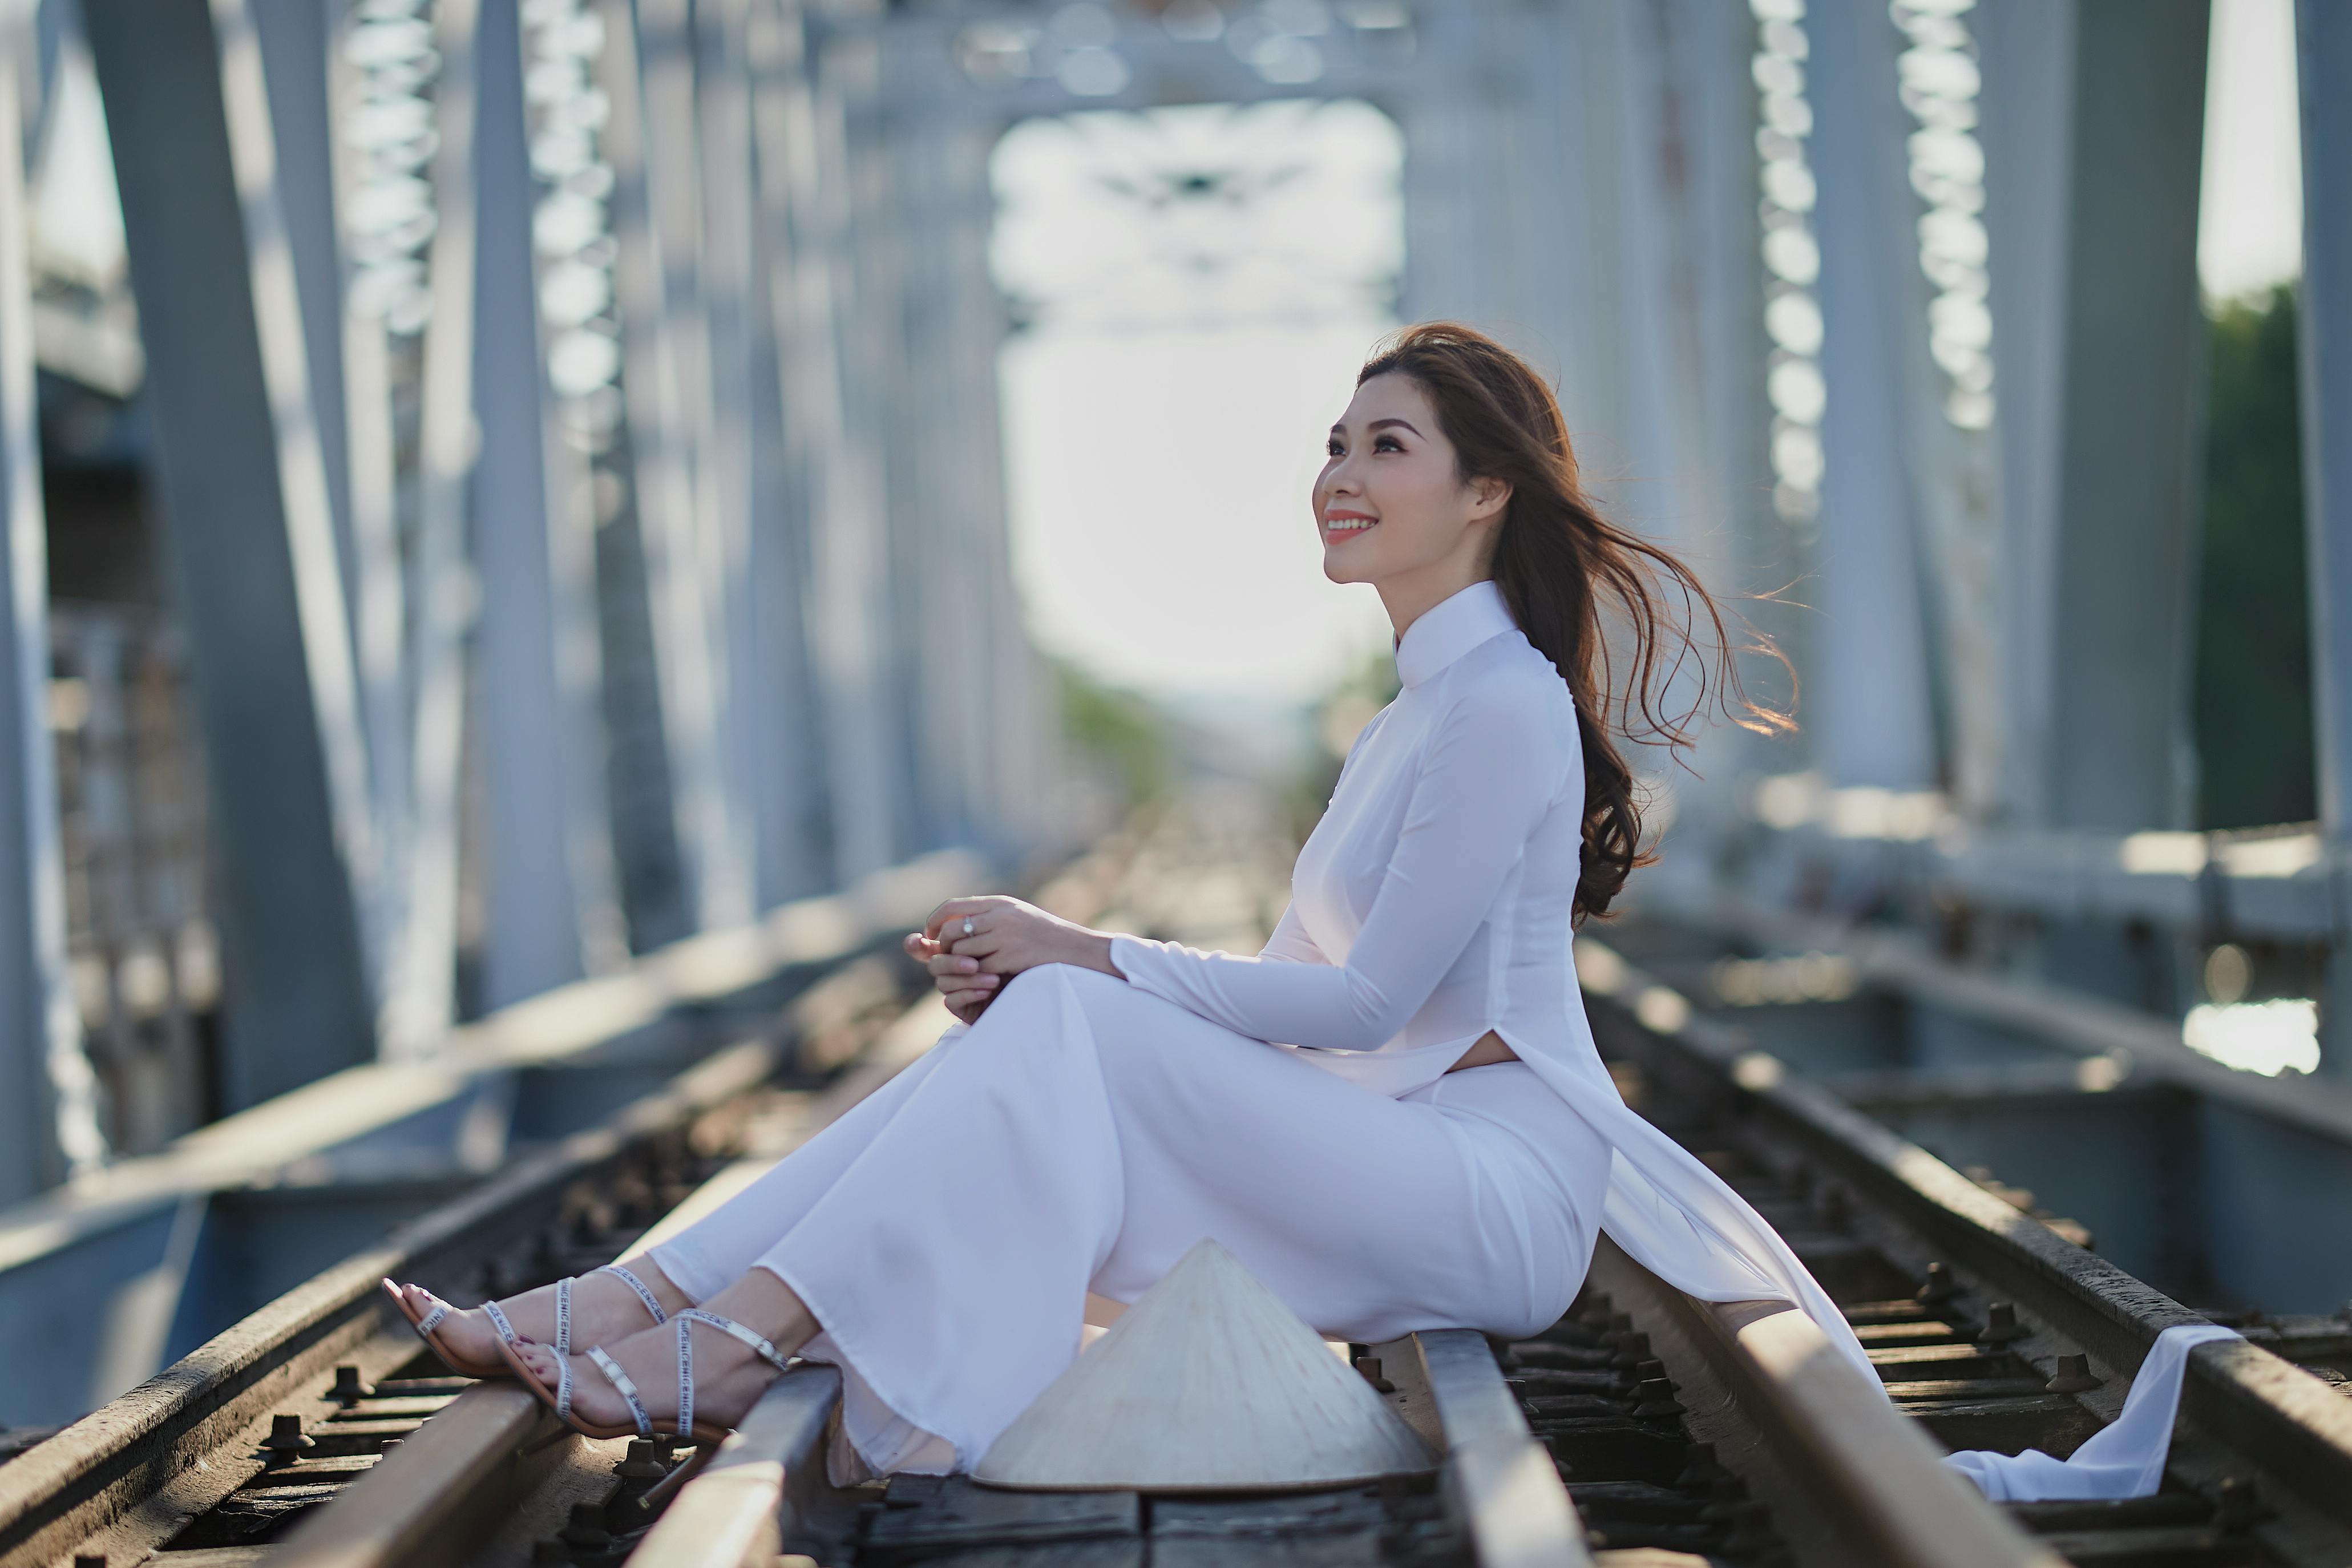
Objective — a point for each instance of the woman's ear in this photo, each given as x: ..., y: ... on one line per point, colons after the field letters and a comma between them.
x: 1490, y: 497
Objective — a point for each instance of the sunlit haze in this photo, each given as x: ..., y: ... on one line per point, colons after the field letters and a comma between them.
x: 1165, y: 413
x: 1160, y: 488
x: 2249, y: 222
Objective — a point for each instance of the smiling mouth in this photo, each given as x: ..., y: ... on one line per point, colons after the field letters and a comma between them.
x: 1339, y: 526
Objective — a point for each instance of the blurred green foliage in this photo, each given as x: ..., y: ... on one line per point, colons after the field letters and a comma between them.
x: 1338, y: 717
x: 1119, y: 730
x: 2252, y: 683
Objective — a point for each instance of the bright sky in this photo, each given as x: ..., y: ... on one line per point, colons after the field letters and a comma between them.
x: 1164, y: 425
x: 2249, y: 222
x: 1161, y: 481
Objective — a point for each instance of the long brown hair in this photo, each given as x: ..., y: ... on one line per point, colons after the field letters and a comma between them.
x: 1559, y: 563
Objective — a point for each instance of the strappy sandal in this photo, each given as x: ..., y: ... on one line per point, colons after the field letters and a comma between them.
x: 690, y: 1430
x: 427, y: 1324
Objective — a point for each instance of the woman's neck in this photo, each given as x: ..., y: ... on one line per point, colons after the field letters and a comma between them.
x: 1410, y: 595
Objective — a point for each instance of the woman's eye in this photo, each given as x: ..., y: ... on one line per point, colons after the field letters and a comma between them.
x: 1391, y: 442
x: 1332, y: 448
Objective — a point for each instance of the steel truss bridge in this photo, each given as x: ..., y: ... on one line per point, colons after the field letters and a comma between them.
x: 570, y: 430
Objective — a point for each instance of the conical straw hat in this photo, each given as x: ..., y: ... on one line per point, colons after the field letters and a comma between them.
x: 1208, y: 1382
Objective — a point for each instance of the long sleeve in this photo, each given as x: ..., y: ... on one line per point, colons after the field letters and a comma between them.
x: 1485, y: 783
x: 1290, y: 944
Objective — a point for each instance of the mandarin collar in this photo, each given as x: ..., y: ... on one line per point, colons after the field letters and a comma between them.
x: 1450, y: 628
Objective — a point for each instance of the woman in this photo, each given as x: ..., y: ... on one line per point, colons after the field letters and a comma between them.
x: 1393, y: 1115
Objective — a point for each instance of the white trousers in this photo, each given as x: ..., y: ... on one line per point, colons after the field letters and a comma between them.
x: 1082, y: 1137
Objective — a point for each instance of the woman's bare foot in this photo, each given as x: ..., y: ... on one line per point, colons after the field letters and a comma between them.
x: 604, y: 1309
x: 729, y: 1376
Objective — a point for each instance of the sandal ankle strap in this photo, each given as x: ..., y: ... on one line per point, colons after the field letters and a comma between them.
x: 627, y: 1386
x: 760, y: 1345
x: 644, y: 1292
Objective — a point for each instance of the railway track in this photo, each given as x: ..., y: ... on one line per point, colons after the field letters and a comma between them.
x: 1643, y: 1430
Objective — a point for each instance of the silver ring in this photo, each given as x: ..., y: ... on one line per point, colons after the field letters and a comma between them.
x: 967, y: 925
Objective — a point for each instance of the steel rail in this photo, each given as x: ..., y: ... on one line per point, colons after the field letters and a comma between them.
x: 751, y: 1499
x: 130, y: 1475
x: 1500, y: 1485
x: 2256, y: 1405
x: 496, y: 1443
x: 1502, y: 1489
x: 1868, y: 1476
x: 128, y: 1478
x: 1838, y: 1475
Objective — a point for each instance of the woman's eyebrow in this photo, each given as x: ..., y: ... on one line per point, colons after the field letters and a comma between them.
x: 1375, y: 425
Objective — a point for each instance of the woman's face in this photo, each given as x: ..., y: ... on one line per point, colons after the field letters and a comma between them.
x: 1389, y: 502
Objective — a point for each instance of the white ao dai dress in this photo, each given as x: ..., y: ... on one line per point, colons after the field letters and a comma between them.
x: 1294, y: 1104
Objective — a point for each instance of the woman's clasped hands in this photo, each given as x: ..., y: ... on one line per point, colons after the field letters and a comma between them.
x: 972, y: 946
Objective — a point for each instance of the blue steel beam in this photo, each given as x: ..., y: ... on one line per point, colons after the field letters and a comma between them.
x: 2324, y: 55
x: 553, y: 913
x: 418, y: 1001
x: 1868, y: 679
x: 769, y: 626
x: 2093, y: 123
x: 761, y: 627
x: 295, y: 39
x: 798, y: 120
x: 51, y: 1125
x: 248, y: 530
x: 648, y: 73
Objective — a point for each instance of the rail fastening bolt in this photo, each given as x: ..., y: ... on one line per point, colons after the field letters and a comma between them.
x: 2002, y: 1327
x: 2073, y: 1375
x: 1700, y: 1466
x: 641, y: 1463
x: 285, y: 1443
x: 348, y: 1390
x: 1655, y: 1401
x: 1940, y: 1287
